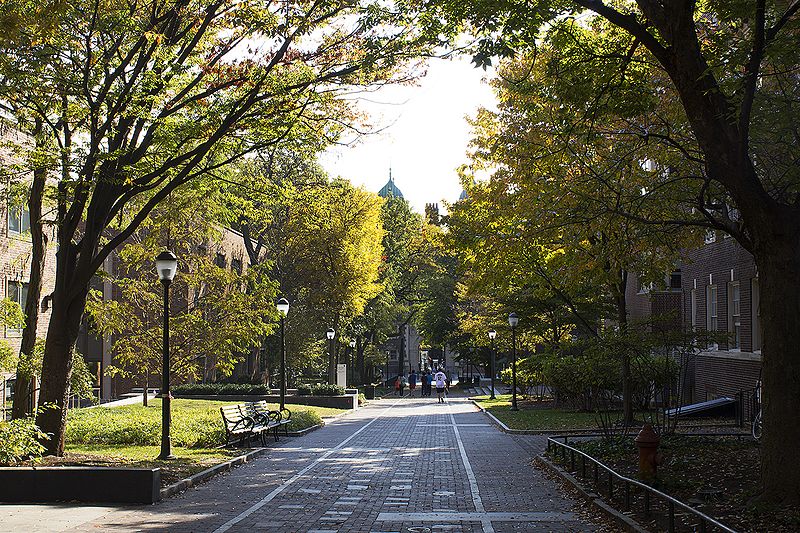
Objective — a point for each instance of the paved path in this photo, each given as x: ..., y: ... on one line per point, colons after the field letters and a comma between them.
x: 395, y: 466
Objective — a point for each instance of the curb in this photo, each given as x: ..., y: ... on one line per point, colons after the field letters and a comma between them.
x: 199, y: 477
x: 309, y: 429
x: 505, y: 429
x: 625, y: 521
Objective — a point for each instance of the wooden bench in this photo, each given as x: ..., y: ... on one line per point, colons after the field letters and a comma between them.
x: 244, y: 421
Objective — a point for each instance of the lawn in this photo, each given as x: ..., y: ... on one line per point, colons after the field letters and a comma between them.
x: 130, y: 436
x: 533, y: 416
x: 195, y: 423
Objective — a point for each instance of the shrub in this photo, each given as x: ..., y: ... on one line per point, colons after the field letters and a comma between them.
x: 304, y: 390
x: 20, y: 441
x: 220, y: 389
x: 326, y: 389
x: 303, y: 420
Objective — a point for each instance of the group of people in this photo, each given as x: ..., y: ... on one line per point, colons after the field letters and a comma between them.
x: 428, y: 381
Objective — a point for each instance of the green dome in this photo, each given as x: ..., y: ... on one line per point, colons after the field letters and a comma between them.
x: 390, y: 189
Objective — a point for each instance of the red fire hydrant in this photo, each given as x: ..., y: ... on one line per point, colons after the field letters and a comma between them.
x: 647, y: 441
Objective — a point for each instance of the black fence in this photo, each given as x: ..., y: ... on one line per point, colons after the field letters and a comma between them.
x: 606, y: 478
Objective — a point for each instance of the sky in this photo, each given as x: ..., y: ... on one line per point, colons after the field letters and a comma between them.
x: 423, y: 137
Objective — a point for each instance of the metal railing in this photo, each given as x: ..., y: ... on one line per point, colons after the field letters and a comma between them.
x: 568, y: 453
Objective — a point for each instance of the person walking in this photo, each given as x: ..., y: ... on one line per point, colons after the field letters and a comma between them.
x: 441, y: 382
x: 412, y: 382
x: 427, y: 379
x: 403, y: 383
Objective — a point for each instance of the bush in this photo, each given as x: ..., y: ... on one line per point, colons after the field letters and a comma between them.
x: 220, y: 389
x: 325, y: 389
x: 304, y: 390
x: 303, y: 420
x: 20, y: 441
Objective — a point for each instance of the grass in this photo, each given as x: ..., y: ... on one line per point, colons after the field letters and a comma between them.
x: 532, y: 417
x: 195, y: 423
x: 130, y: 436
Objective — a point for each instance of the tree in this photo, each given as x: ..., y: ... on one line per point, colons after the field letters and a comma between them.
x: 217, y: 314
x: 731, y: 68
x: 158, y: 94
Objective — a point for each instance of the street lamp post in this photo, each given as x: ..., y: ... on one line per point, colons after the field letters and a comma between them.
x: 513, y: 320
x: 283, y: 310
x: 166, y: 266
x: 492, y: 335
x: 351, y: 363
x: 331, y: 334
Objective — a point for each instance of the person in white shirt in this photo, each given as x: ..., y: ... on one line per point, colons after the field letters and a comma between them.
x: 441, y: 384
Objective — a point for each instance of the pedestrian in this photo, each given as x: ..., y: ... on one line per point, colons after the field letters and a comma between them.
x: 397, y: 385
x: 427, y: 379
x: 403, y: 383
x: 412, y: 382
x: 441, y: 381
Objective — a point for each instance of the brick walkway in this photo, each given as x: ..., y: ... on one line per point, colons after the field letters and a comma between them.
x: 394, y: 466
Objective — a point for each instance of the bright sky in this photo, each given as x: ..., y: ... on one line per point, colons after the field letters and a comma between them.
x: 425, y: 137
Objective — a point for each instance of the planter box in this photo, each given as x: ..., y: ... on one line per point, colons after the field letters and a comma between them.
x: 348, y: 401
x: 80, y: 483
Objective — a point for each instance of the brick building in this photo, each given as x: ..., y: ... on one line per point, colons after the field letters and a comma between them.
x: 15, y: 254
x: 720, y: 293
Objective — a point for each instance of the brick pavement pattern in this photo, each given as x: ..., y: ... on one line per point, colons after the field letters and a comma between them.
x: 394, y: 466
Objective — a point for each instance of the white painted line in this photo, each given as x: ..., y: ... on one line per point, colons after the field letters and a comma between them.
x: 269, y: 497
x: 546, y: 516
x: 486, y: 524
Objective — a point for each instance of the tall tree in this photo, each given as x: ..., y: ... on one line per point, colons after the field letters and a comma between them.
x: 162, y: 92
x: 731, y: 66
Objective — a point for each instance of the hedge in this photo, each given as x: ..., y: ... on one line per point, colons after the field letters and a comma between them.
x: 321, y: 389
x: 220, y: 389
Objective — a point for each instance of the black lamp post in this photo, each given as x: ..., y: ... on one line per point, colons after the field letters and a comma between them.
x: 331, y: 334
x: 351, y: 363
x: 283, y: 310
x: 166, y: 266
x: 492, y: 335
x: 513, y: 320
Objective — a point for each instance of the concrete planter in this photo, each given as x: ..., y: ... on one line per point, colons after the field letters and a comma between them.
x: 348, y: 401
x: 80, y: 483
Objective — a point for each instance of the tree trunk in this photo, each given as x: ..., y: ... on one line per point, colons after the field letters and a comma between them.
x: 146, y: 386
x: 779, y: 271
x: 62, y: 333
x: 25, y: 385
x: 627, y: 384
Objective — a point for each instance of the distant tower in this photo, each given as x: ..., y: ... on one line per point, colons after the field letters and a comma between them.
x: 390, y: 189
x: 432, y: 214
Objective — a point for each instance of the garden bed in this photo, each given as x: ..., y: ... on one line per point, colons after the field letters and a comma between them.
x: 716, y: 475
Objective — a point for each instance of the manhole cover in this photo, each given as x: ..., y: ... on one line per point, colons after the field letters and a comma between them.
x: 419, y: 530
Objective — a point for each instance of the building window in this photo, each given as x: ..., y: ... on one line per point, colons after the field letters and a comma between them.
x: 220, y: 261
x: 693, y: 306
x: 734, y: 315
x: 236, y: 266
x: 675, y: 280
x: 19, y: 219
x: 17, y: 292
x: 755, y: 302
x: 711, y: 308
